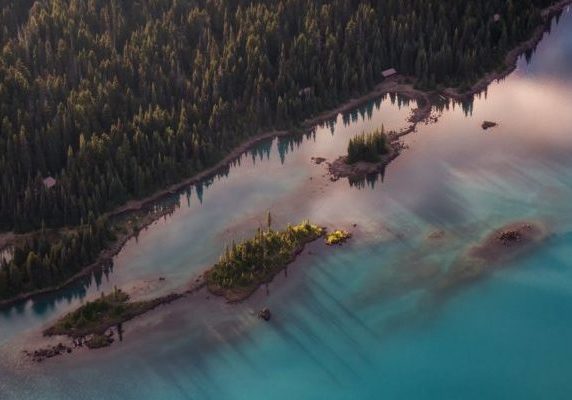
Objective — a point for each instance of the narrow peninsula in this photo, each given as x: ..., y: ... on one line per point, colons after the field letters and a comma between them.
x: 240, y: 271
x: 90, y: 323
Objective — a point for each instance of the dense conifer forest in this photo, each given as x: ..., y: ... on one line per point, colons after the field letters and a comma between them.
x: 115, y: 99
x: 367, y: 147
x: 48, y: 259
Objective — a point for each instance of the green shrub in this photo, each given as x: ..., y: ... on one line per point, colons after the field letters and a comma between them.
x: 252, y: 260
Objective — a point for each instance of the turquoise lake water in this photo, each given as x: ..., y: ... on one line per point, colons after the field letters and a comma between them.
x: 367, y: 320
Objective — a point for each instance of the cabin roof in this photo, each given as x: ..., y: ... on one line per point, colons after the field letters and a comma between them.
x: 49, y: 182
x: 389, y: 72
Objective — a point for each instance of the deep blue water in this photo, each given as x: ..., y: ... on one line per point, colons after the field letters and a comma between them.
x: 366, y: 320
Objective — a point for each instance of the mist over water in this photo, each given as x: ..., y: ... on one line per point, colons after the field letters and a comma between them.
x: 365, y: 320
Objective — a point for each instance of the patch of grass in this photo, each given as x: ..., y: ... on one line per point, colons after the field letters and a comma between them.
x: 95, y: 317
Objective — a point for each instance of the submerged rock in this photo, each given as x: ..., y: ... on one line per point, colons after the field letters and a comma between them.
x: 508, y: 240
x: 509, y: 237
x: 265, y: 314
x: 492, y: 253
x: 436, y: 235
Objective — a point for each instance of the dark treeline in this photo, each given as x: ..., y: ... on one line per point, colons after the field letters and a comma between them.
x: 117, y: 98
x: 45, y: 261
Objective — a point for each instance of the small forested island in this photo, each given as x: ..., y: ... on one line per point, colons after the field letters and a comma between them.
x: 247, y: 265
x: 368, y: 153
x: 367, y: 147
x: 92, y: 320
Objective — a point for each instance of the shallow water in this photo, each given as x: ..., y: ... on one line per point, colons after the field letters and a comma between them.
x: 366, y: 320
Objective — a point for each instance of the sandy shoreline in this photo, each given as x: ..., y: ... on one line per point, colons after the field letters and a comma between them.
x: 392, y: 85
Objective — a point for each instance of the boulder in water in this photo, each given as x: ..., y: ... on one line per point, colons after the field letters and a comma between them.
x: 265, y: 314
x: 488, y: 124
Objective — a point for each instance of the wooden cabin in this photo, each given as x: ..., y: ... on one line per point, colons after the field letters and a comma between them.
x: 49, y: 182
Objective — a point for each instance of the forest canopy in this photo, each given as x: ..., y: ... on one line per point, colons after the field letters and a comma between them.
x: 114, y: 99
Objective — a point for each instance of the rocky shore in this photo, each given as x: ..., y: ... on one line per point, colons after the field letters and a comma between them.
x: 40, y: 355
